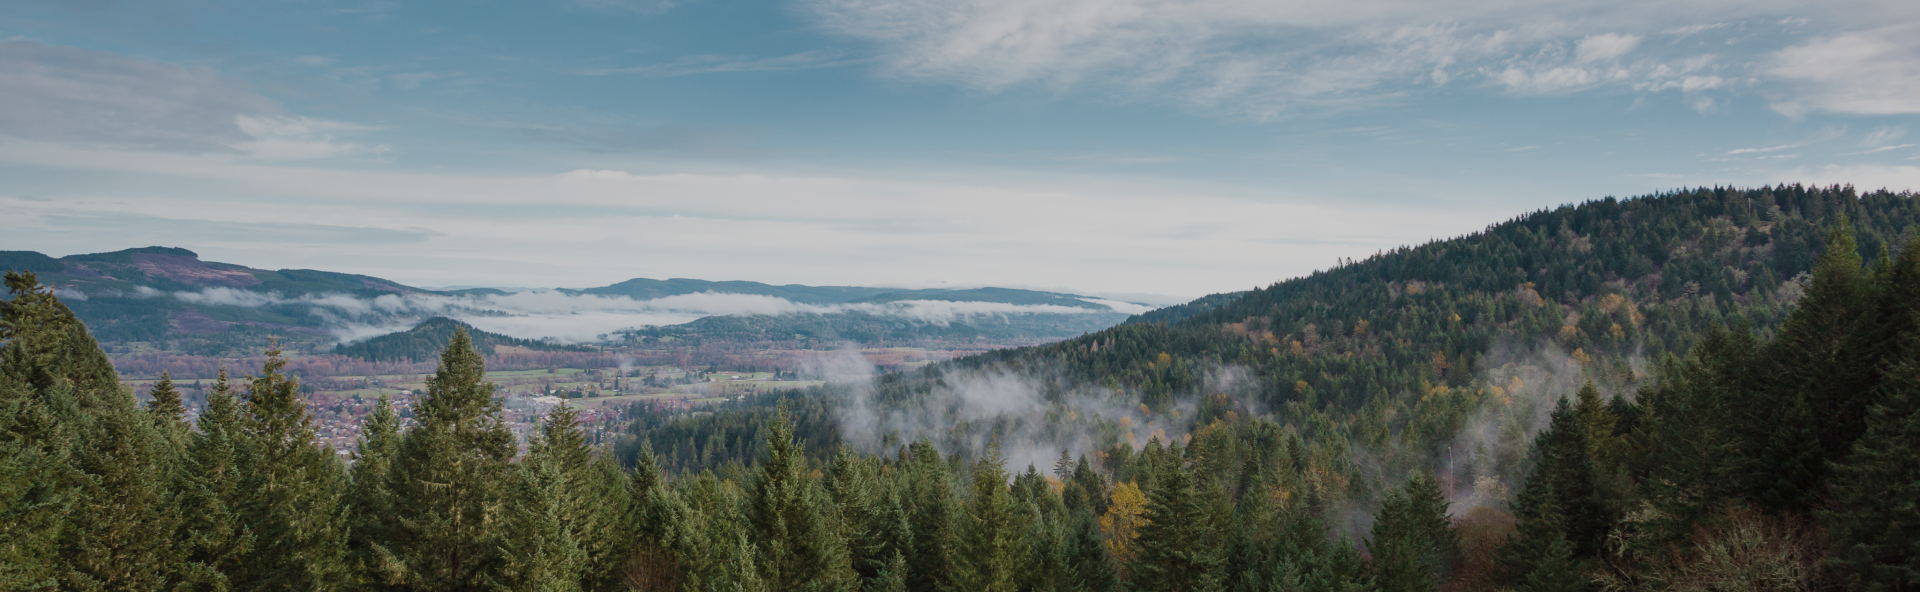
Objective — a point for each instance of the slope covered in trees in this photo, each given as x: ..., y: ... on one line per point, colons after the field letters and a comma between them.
x: 424, y: 341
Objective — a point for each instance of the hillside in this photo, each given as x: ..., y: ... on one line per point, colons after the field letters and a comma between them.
x: 424, y: 341
x: 1403, y: 351
x: 1615, y: 391
x: 135, y: 295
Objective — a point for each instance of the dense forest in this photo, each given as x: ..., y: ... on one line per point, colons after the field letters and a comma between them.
x: 1704, y: 390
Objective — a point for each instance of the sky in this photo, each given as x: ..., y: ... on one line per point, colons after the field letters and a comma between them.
x: 1145, y: 150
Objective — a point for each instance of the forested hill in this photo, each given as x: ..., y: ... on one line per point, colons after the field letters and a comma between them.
x: 1408, y: 347
x: 1732, y: 244
x: 424, y: 341
x: 1704, y: 389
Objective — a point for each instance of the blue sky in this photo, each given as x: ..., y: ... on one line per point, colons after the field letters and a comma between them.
x: 1115, y: 147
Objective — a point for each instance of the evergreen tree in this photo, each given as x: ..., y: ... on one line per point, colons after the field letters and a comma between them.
x: 931, y: 510
x: 61, y: 391
x: 600, y: 522
x: 449, y: 476
x: 892, y: 578
x: 369, y: 501
x: 1178, y: 550
x: 1875, y: 516
x: 291, y: 492
x: 541, y: 548
x: 1558, y: 507
x: 212, y: 536
x: 1092, y: 569
x: 169, y: 413
x: 799, y: 545
x: 1810, y: 407
x: 989, y: 549
x: 37, y: 480
x: 1412, y: 541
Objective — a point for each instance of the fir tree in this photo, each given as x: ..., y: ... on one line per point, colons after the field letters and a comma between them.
x: 1875, y: 515
x: 799, y: 546
x: 541, y: 548
x: 1177, y: 548
x: 60, y: 391
x: 37, y: 480
x: 291, y: 492
x: 989, y: 549
x: 449, y: 476
x: 212, y: 536
x: 169, y: 413
x: 1091, y: 568
x: 1412, y: 541
x: 931, y: 509
x: 369, y: 501
x: 1806, y: 413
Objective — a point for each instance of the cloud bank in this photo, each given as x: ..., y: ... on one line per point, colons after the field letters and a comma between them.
x: 580, y: 318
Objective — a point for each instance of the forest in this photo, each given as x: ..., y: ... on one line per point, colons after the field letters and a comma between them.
x: 1710, y: 389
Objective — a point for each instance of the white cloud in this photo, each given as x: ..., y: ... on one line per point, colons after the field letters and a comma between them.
x: 79, y: 97
x: 1875, y: 72
x: 575, y: 318
x: 1604, y: 47
x: 298, y: 138
x: 74, y: 96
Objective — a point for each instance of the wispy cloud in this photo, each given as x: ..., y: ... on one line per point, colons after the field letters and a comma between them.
x: 717, y: 64
x: 1873, y: 72
x: 1266, y: 59
x: 1881, y: 149
x: 1762, y: 150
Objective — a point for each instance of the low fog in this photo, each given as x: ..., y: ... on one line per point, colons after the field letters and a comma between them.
x: 573, y: 318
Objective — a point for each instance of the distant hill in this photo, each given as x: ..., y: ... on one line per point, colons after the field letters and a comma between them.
x: 126, y: 296
x: 176, y: 269
x: 167, y: 298
x: 424, y: 341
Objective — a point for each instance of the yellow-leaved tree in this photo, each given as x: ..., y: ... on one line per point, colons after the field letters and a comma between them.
x: 1122, y: 523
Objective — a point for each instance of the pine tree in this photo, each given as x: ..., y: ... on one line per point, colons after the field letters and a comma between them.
x: 110, y: 484
x: 169, y: 413
x: 1809, y: 408
x: 1092, y: 569
x: 1874, y: 518
x: 212, y: 536
x: 1412, y: 541
x: 291, y: 492
x: 37, y: 480
x: 989, y: 550
x: 892, y: 577
x: 369, y: 501
x: 541, y: 548
x: 1177, y: 548
x: 799, y: 545
x: 449, y: 476
x: 931, y: 510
